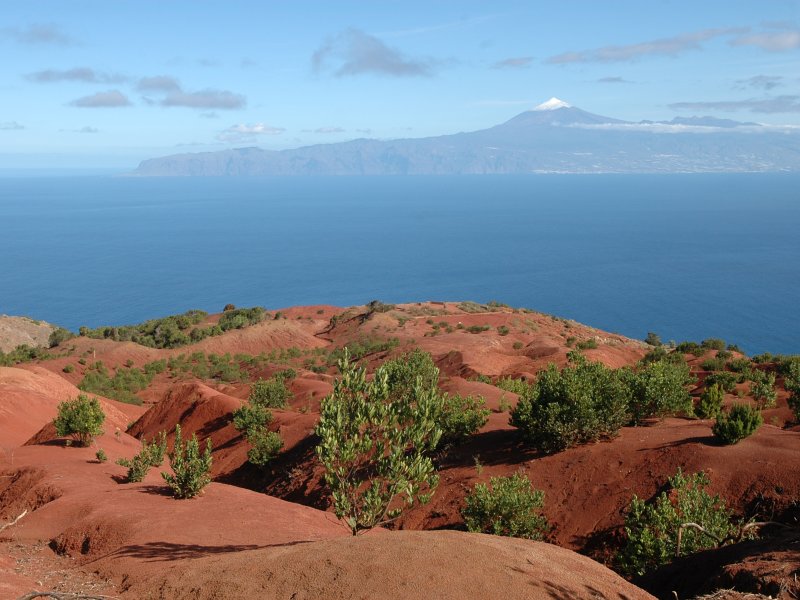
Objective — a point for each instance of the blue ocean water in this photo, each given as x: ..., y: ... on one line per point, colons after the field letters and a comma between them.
x: 687, y: 256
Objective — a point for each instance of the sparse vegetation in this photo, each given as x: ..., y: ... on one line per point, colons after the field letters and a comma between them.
x: 191, y: 470
x: 742, y: 421
x: 507, y: 506
x: 151, y: 455
x: 81, y: 418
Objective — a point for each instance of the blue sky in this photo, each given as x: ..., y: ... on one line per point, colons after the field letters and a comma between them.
x: 107, y: 84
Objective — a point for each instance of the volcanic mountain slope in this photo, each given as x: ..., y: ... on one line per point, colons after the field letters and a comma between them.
x: 233, y: 540
x: 553, y: 137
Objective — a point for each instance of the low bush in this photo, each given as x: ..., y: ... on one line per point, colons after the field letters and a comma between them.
x: 265, y: 445
x: 741, y: 422
x: 792, y: 385
x: 270, y: 393
x: 713, y: 344
x: 582, y: 403
x: 652, y: 339
x: 59, y: 336
x: 516, y: 386
x: 101, y: 456
x: 710, y: 403
x: 725, y: 379
x: 191, y: 470
x: 762, y: 389
x: 508, y: 506
x: 151, y: 455
x: 652, y: 529
x: 713, y: 364
x: 461, y: 417
x: 658, y: 389
x: 81, y: 418
x: 503, y: 330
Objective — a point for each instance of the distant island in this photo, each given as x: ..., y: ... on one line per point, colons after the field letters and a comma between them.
x: 553, y: 137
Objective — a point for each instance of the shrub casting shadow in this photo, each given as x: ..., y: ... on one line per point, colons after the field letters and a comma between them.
x: 167, y: 551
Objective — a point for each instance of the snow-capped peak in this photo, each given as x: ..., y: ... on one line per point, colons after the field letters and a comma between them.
x: 552, y: 104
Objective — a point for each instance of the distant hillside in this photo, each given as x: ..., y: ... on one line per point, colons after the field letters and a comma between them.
x: 554, y: 137
x: 15, y: 331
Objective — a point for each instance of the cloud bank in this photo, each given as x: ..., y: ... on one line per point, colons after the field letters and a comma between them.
x: 237, y: 134
x: 84, y: 74
x: 109, y: 99
x: 778, y: 104
x: 37, y: 34
x: 354, y: 52
x: 672, y: 46
x: 518, y: 62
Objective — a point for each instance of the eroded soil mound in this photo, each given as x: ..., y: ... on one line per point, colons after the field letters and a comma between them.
x: 406, y: 565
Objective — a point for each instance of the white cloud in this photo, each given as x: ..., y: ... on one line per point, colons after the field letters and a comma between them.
x: 236, y: 134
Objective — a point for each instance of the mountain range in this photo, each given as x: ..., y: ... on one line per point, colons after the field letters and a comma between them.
x: 553, y: 137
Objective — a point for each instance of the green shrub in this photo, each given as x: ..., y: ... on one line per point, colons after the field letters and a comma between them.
x: 652, y: 529
x: 250, y: 417
x: 582, y: 403
x: 710, y: 403
x: 58, y: 336
x: 658, y: 389
x: 101, y: 456
x: 191, y: 471
x: 725, y: 379
x: 518, y: 345
x: 738, y: 365
x: 508, y: 506
x: 590, y: 344
x: 265, y: 445
x: 741, y: 422
x: 270, y: 393
x: 375, y: 445
x: 406, y: 371
x: 503, y: 330
x: 462, y: 417
x: 713, y: 344
x: 123, y: 386
x: 478, y: 328
x: 23, y: 353
x: 516, y: 386
x: 151, y: 455
x: 652, y: 339
x: 81, y: 418
x: 762, y: 388
x: 792, y: 384
x: 68, y: 368
x: 713, y: 364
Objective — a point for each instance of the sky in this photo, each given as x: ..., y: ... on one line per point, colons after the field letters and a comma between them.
x: 106, y: 84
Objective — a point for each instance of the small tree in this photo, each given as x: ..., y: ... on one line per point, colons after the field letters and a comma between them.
x: 191, y: 471
x: 509, y: 507
x: 151, y: 455
x: 658, y: 389
x: 741, y: 422
x: 710, y: 402
x: 252, y: 420
x: 652, y: 339
x: 652, y: 530
x: 374, y: 445
x: 82, y: 419
x: 792, y: 384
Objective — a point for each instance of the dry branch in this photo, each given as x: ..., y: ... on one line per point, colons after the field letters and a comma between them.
x: 14, y: 522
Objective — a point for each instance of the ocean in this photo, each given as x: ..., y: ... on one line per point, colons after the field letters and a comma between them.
x: 688, y: 256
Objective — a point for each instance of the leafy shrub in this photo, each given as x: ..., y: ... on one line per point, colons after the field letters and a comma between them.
x: 508, y: 506
x: 590, y: 344
x: 461, y: 417
x: 725, y: 379
x: 478, y: 328
x: 191, y: 471
x: 792, y: 385
x: 374, y: 446
x: 713, y: 344
x: 503, y: 330
x: 515, y: 386
x: 738, y: 365
x: 265, y: 445
x: 101, y: 456
x: 582, y: 403
x: 58, y: 336
x: 724, y: 354
x: 68, y: 368
x: 713, y: 364
x: 658, y: 389
x: 652, y: 529
x: 472, y: 307
x: 238, y: 318
x: 652, y: 339
x: 710, y: 403
x: 151, y: 455
x: 22, y: 353
x: 123, y: 386
x: 741, y: 422
x: 270, y: 393
x: 762, y: 388
x: 81, y: 418
x: 518, y: 345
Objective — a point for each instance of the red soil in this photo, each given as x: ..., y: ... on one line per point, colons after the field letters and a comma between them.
x: 233, y: 542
